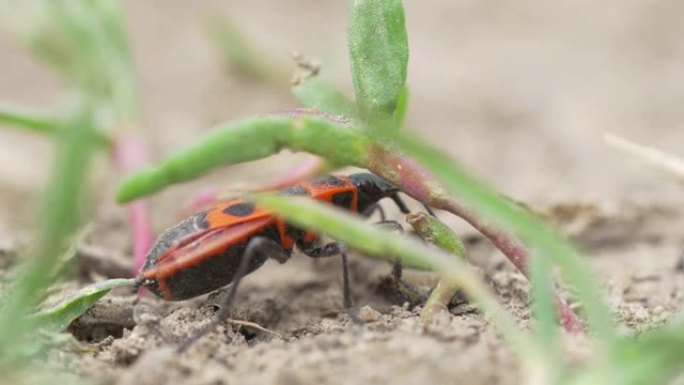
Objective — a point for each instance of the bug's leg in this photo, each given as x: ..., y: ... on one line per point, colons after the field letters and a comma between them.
x: 400, y: 203
x: 376, y: 207
x: 257, y: 246
x: 397, y: 268
x: 429, y: 210
x: 404, y: 209
x: 329, y: 250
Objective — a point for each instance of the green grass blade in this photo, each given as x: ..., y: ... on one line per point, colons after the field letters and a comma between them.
x: 546, y: 320
x: 83, y: 41
x: 547, y: 242
x: 38, y: 123
x: 60, y: 216
x: 654, y: 357
x: 59, y: 317
x: 381, y: 243
x: 27, y: 120
x: 378, y: 50
x: 241, y: 55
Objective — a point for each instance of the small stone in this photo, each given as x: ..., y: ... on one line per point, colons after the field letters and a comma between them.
x: 368, y: 314
x: 658, y: 310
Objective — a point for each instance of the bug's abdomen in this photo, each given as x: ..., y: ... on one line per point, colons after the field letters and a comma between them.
x: 209, y: 275
x: 170, y: 281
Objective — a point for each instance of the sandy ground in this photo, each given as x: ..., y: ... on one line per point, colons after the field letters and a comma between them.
x: 520, y: 92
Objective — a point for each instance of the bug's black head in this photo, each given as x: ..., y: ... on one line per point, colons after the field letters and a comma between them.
x: 371, y: 189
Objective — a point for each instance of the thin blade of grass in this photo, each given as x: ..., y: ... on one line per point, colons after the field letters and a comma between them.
x: 378, y: 50
x: 240, y: 54
x: 546, y: 320
x: 38, y: 123
x: 29, y: 121
x: 380, y: 243
x: 59, y: 317
x: 654, y: 357
x: 670, y: 164
x: 60, y: 216
x: 548, y: 243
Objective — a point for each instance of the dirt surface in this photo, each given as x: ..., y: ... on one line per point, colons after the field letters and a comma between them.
x: 519, y: 92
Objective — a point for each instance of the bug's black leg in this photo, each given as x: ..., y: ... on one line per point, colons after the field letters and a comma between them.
x: 400, y: 203
x: 390, y: 225
x: 397, y: 275
x: 256, y: 246
x: 429, y: 210
x: 329, y: 250
x: 404, y: 209
x: 376, y: 207
x: 397, y: 268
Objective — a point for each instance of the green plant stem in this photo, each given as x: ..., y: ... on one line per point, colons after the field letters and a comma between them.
x: 434, y: 231
x: 251, y: 139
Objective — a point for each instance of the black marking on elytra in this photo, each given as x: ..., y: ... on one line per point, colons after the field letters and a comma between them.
x: 240, y: 209
x: 327, y: 181
x: 343, y: 199
x: 201, y: 220
x: 294, y: 190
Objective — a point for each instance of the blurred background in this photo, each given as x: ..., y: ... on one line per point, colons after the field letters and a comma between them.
x: 522, y: 92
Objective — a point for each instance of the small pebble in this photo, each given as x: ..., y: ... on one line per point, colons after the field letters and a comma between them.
x: 368, y: 314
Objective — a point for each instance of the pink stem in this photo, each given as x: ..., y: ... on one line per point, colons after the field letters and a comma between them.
x: 418, y: 183
x: 307, y: 169
x: 207, y: 196
x: 130, y: 153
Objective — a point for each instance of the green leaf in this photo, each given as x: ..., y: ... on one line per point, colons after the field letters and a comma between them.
x: 378, y: 48
x: 251, y: 139
x: 402, y: 106
x: 316, y: 92
x: 60, y: 316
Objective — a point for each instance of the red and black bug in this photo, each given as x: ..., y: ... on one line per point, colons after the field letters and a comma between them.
x: 219, y: 246
x: 205, y: 251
